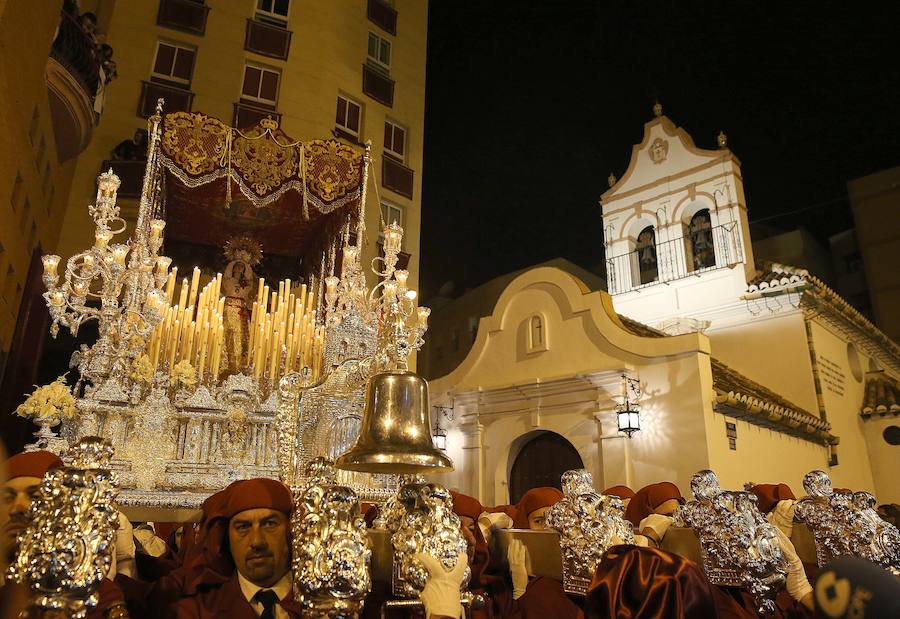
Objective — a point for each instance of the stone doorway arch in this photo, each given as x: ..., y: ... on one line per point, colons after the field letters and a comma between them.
x: 541, y: 461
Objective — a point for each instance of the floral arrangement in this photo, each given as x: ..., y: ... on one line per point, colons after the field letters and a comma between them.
x: 142, y: 369
x: 183, y: 374
x: 49, y: 404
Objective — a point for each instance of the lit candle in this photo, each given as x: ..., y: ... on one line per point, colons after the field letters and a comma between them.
x: 119, y: 253
x: 422, y: 313
x: 51, y: 263
x: 182, y: 298
x: 170, y: 285
x: 153, y: 298
x: 290, y: 347
x: 217, y: 353
x: 195, y: 284
x: 201, y: 348
x: 173, y: 342
x: 393, y: 236
x: 156, y: 228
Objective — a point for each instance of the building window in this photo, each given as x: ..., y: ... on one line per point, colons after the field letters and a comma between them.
x: 274, y: 11
x: 173, y: 63
x: 260, y: 84
x: 731, y: 433
x: 537, y: 333
x: 349, y: 116
x: 379, y: 52
x: 700, y: 232
x: 646, y: 255
x: 394, y: 140
x: 391, y: 214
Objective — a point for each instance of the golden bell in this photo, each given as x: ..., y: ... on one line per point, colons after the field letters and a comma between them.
x: 396, y: 429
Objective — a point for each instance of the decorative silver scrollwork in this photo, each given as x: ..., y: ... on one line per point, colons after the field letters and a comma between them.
x: 588, y: 524
x: 738, y: 547
x: 331, y: 552
x: 421, y: 520
x: 67, y: 548
x: 845, y: 523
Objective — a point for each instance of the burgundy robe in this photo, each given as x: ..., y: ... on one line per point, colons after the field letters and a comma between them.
x: 225, y: 602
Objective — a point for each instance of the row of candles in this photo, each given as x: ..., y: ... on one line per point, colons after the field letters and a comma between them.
x: 283, y: 334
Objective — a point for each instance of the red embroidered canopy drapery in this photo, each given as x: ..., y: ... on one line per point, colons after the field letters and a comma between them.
x: 220, y: 181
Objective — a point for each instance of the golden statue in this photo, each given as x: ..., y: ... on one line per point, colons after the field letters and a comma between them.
x: 238, y: 285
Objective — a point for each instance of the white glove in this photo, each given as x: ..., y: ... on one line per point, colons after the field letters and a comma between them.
x: 797, y: 584
x: 518, y: 558
x: 441, y: 594
x: 154, y: 546
x: 488, y: 521
x: 655, y: 526
x: 124, y: 548
x: 782, y: 516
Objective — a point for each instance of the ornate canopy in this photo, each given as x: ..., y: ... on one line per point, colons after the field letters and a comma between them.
x: 221, y: 181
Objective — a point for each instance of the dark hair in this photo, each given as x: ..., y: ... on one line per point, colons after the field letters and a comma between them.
x: 107, y: 50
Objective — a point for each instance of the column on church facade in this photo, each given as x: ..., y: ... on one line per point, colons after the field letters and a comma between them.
x: 471, y: 468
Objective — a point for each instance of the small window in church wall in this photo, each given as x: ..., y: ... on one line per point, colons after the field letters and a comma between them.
x: 703, y: 254
x: 645, y: 248
x: 537, y: 333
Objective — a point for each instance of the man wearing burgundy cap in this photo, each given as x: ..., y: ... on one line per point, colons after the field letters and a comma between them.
x: 25, y: 471
x: 248, y: 556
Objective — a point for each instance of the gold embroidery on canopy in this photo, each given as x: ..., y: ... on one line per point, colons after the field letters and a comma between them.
x: 332, y: 168
x: 195, y: 142
x: 262, y: 161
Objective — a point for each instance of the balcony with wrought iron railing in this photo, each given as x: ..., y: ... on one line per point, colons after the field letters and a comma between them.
x: 675, y: 259
x: 73, y: 74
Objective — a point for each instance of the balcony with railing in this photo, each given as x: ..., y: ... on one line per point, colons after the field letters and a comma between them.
x: 184, y: 15
x: 73, y: 74
x: 397, y: 177
x: 178, y: 98
x: 267, y: 39
x: 675, y: 259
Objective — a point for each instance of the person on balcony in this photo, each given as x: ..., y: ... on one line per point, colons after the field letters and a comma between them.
x: 133, y: 149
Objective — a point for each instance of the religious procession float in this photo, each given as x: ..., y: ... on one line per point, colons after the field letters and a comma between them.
x: 199, y: 378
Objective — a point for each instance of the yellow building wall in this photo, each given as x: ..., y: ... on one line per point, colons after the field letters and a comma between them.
x: 672, y: 443
x: 748, y: 348
x: 327, y: 52
x: 28, y: 151
x: 842, y: 384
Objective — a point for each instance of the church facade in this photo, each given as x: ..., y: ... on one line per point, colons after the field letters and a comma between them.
x: 760, y: 372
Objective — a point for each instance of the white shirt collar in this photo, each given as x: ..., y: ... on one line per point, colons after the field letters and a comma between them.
x: 281, y: 588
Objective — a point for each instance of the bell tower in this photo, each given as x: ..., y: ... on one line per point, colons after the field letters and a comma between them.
x: 675, y: 227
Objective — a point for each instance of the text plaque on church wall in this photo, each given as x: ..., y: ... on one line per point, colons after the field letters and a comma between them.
x: 832, y: 376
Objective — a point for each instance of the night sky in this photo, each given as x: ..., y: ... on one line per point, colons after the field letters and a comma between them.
x: 530, y: 106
